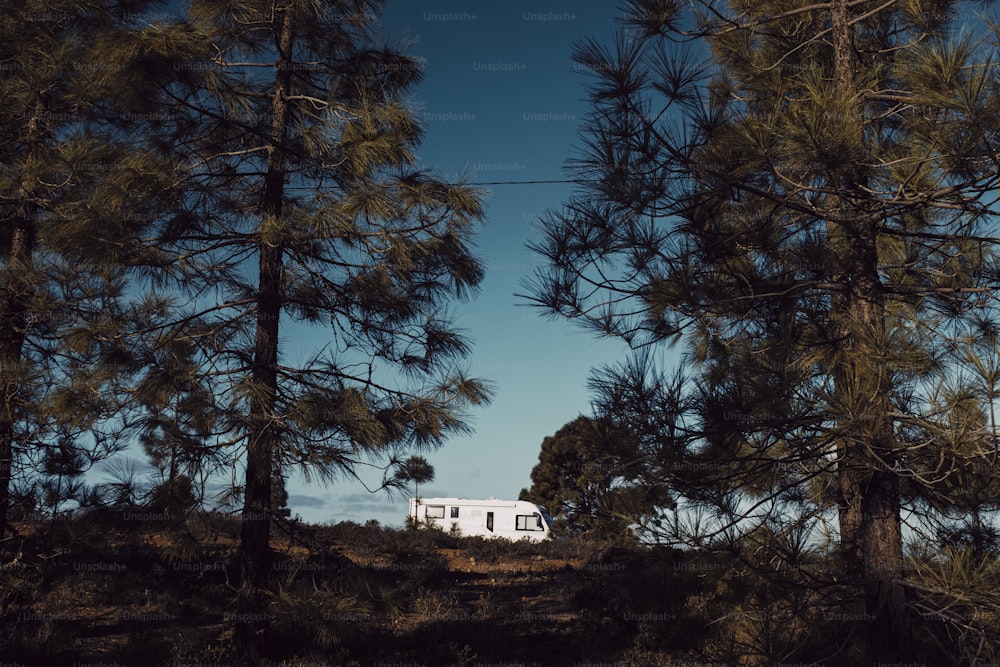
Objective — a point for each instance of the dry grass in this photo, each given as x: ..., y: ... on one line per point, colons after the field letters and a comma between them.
x: 349, y: 594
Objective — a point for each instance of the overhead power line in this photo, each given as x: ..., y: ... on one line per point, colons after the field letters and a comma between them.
x: 578, y: 181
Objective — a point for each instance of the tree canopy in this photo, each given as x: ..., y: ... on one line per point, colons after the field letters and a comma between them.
x: 302, y: 211
x: 259, y: 278
x: 415, y: 469
x: 588, y: 477
x: 804, y: 194
x: 76, y: 195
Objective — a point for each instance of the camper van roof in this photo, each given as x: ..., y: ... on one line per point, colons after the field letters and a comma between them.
x: 468, y: 501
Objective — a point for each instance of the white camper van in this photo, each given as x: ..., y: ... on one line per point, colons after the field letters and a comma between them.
x: 513, y: 519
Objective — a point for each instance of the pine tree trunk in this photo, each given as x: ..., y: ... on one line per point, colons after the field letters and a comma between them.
x: 13, y: 321
x: 850, y: 460
x: 870, y: 508
x: 14, y: 317
x: 263, y: 436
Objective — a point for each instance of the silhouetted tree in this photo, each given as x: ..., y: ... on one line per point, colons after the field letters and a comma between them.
x: 588, y: 476
x: 302, y: 213
x: 804, y: 193
x: 178, y: 423
x: 415, y: 469
x: 74, y: 193
x: 62, y: 465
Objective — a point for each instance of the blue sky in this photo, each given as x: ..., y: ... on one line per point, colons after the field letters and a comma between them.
x: 501, y: 100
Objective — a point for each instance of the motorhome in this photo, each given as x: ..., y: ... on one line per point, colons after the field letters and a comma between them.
x: 513, y: 519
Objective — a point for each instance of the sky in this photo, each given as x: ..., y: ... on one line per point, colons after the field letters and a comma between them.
x: 501, y: 100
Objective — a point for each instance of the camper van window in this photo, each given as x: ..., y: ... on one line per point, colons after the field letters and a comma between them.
x: 454, y: 512
x: 529, y: 522
x: 435, y: 511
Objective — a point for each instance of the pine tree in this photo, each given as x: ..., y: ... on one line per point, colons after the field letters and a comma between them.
x: 178, y: 424
x: 72, y: 197
x: 803, y: 192
x: 317, y: 258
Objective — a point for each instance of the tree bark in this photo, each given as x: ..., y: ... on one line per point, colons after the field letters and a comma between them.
x: 14, y: 316
x: 263, y: 434
x: 871, y: 536
x: 13, y: 323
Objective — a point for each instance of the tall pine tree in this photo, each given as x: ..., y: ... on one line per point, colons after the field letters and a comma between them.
x: 317, y: 259
x: 73, y: 191
x: 804, y: 192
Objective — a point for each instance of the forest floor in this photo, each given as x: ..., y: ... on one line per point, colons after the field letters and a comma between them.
x: 99, y: 593
x: 116, y: 589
